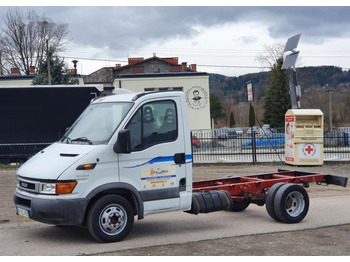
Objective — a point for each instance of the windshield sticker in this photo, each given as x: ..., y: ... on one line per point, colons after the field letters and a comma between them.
x: 158, y: 177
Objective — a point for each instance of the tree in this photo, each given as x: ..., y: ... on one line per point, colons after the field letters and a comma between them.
x: 232, y: 120
x: 58, y: 71
x: 277, y: 98
x: 227, y: 108
x: 25, y: 38
x: 216, y: 109
x: 251, y: 116
x: 273, y: 53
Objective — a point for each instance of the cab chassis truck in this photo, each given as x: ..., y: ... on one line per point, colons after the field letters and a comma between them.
x: 130, y: 155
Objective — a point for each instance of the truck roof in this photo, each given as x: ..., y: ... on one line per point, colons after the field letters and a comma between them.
x: 133, y: 96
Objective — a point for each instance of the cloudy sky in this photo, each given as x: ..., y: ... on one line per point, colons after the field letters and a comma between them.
x: 219, y: 39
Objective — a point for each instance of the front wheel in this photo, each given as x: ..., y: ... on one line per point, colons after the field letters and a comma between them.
x: 110, y: 218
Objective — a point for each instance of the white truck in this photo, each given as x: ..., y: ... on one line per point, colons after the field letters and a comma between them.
x: 130, y: 155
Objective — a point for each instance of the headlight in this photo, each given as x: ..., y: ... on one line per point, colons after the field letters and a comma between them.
x: 47, y: 188
x: 57, y: 188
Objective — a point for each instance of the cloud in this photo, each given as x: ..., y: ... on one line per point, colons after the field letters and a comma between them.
x: 316, y: 23
x: 248, y: 39
x: 122, y: 28
x: 120, y: 25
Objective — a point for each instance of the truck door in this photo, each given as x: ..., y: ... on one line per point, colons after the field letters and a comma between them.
x: 156, y: 164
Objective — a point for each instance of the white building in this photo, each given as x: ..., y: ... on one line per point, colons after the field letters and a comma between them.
x: 195, y: 85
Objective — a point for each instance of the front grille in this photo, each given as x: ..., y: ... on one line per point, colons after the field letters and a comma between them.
x: 28, y: 185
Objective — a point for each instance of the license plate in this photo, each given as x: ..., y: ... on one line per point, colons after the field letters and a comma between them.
x: 22, y: 212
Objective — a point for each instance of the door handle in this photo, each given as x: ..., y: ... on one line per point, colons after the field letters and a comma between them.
x: 180, y: 158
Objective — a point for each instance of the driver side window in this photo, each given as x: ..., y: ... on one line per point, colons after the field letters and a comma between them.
x: 153, y: 123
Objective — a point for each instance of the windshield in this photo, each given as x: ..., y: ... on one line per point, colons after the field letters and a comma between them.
x: 97, y: 123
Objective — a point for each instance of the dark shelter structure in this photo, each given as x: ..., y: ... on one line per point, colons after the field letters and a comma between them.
x: 33, y: 117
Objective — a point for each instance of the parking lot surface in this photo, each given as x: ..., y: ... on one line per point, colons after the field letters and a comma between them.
x: 325, y: 230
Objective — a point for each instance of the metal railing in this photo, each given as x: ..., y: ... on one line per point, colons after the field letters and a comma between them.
x: 19, y: 152
x: 216, y: 146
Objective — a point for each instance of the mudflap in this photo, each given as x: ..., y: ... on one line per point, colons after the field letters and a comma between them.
x: 336, y: 180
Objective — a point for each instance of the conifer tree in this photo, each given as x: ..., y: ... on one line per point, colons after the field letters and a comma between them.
x: 232, y: 120
x: 251, y: 116
x: 216, y: 108
x: 277, y: 98
x: 58, y: 71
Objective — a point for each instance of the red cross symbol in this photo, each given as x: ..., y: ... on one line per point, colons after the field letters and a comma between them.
x: 309, y: 149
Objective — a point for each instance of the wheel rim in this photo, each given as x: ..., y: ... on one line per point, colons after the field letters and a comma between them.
x: 113, y: 219
x: 295, y: 204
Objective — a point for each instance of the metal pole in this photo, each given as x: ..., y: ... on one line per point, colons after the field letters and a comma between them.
x: 253, y: 146
x: 48, y: 62
x: 330, y: 111
x: 1, y: 72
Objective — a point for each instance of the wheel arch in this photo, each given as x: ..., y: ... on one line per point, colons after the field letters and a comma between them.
x: 125, y: 190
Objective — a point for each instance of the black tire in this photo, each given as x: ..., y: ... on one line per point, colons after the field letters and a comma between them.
x: 240, y: 206
x: 110, y: 218
x: 291, y: 203
x: 270, y: 199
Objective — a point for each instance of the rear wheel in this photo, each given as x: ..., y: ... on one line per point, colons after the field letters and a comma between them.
x: 110, y: 218
x: 291, y: 203
x: 240, y: 206
x: 270, y: 200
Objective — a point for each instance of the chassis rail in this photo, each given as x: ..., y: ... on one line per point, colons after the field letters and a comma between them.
x: 254, y: 187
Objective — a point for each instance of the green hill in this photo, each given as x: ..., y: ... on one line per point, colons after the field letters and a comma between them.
x: 317, y: 86
x: 308, y: 78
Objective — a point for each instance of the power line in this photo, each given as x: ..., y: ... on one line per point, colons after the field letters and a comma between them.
x: 124, y: 61
x: 232, y: 66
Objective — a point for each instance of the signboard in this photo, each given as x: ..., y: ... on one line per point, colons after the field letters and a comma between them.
x: 250, y: 91
x: 289, y: 137
x: 310, y: 151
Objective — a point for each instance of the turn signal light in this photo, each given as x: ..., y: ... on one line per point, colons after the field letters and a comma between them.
x: 86, y: 166
x: 65, y: 188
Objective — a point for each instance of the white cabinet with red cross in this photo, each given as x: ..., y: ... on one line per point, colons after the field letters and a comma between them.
x: 304, y: 137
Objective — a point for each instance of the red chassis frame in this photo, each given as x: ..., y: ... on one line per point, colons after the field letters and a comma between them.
x: 254, y: 187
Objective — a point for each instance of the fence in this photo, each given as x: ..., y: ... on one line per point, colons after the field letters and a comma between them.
x: 225, y: 146
x: 220, y: 146
x: 19, y: 152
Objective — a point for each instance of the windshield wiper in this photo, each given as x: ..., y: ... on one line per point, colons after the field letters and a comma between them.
x: 81, y: 139
x: 68, y: 140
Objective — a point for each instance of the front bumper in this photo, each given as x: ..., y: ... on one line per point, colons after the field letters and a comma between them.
x: 53, y: 211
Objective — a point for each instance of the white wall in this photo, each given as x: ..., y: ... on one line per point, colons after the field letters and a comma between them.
x: 198, y: 108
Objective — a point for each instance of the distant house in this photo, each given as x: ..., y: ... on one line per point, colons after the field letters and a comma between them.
x: 157, y: 73
x: 106, y: 75
x: 16, y: 79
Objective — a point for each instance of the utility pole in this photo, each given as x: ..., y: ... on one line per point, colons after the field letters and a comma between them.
x: 330, y: 111
x: 48, y: 62
x: 1, y: 72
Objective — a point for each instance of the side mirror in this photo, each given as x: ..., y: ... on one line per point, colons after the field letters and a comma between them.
x: 123, y: 144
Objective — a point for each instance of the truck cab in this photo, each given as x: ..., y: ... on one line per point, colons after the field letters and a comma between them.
x: 127, y: 154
